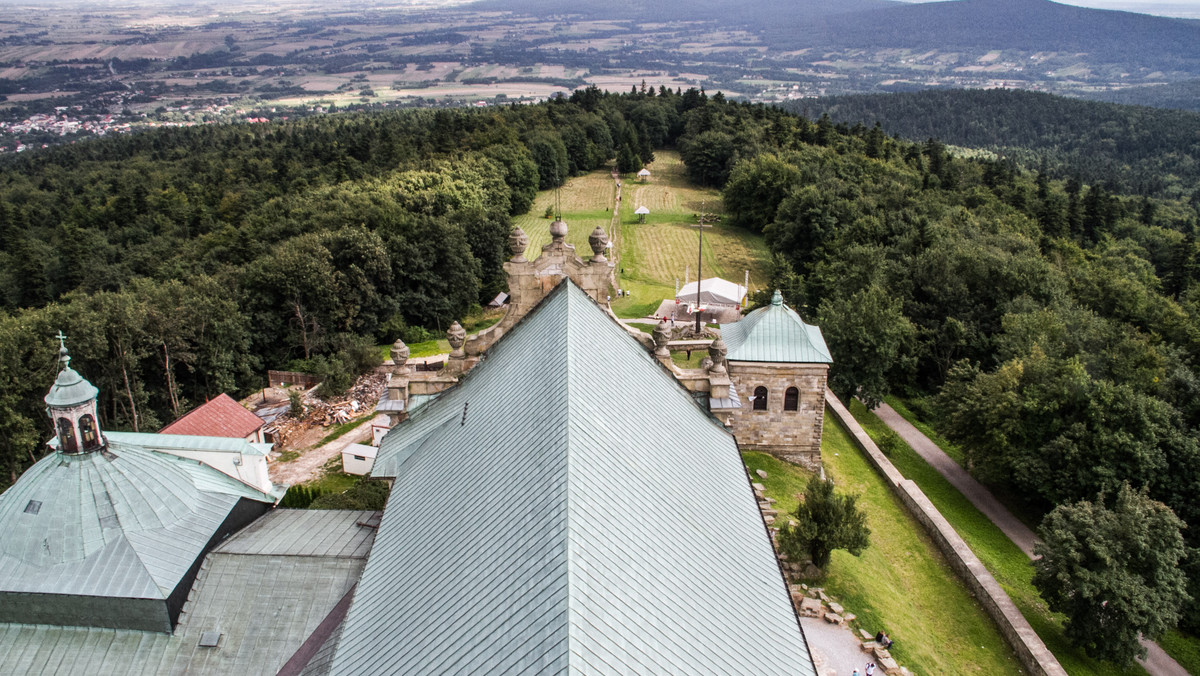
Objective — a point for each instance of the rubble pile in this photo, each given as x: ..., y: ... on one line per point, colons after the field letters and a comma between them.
x: 359, y: 399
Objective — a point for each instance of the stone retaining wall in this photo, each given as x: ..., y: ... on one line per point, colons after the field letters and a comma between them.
x: 1033, y: 654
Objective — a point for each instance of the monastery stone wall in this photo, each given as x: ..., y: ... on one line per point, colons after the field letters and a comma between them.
x: 794, y: 436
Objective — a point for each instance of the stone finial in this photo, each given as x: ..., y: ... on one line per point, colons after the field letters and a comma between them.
x: 662, y: 334
x: 517, y: 241
x: 400, y: 353
x: 558, y: 230
x: 456, y: 336
x: 717, y: 351
x: 706, y: 363
x: 777, y: 298
x: 598, y: 239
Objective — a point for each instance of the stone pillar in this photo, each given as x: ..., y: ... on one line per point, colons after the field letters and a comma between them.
x: 718, y: 375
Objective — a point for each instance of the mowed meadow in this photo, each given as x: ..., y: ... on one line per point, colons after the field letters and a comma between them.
x: 651, y: 256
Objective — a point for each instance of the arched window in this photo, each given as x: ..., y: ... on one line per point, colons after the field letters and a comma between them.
x: 87, y: 432
x: 66, y: 436
x: 791, y: 399
x: 760, y: 398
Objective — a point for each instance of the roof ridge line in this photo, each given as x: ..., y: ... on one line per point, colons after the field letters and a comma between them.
x: 571, y: 605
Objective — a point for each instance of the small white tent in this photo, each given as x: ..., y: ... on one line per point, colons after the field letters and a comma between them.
x: 713, y: 291
x: 642, y: 212
x: 644, y: 174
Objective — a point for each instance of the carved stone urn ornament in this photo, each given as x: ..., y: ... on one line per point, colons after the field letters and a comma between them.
x: 400, y: 353
x: 717, y: 351
x: 456, y: 335
x: 517, y: 242
x: 598, y: 239
x: 662, y: 334
x: 558, y: 230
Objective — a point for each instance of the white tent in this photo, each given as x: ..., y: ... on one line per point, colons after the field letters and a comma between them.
x: 713, y: 291
x: 641, y: 211
x: 644, y: 173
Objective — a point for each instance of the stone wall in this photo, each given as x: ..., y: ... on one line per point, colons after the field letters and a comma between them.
x: 530, y: 281
x: 794, y: 436
x: 1033, y: 654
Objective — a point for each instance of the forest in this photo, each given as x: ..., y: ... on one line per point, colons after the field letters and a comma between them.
x: 1050, y: 327
x: 1122, y: 147
x: 1049, y: 323
x: 182, y: 263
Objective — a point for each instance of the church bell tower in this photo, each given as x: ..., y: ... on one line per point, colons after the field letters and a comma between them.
x: 71, y: 405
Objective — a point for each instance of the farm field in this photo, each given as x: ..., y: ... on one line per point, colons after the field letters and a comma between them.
x: 901, y: 583
x: 652, y: 256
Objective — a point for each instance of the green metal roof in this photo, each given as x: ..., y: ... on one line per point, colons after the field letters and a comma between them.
x: 188, y: 442
x: 265, y: 590
x: 775, y: 333
x: 543, y: 521
x: 69, y: 389
x: 126, y: 523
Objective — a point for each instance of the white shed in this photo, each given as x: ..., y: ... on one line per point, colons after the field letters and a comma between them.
x: 358, y: 459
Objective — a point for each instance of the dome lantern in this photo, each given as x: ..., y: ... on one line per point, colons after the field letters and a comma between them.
x: 71, y: 405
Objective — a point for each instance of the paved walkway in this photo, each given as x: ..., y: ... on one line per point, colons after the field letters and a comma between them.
x: 1157, y: 661
x: 835, y: 647
x: 966, y: 484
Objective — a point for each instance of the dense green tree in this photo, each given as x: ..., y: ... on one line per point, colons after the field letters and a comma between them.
x: 550, y: 155
x: 870, y: 337
x: 1112, y: 567
x: 708, y: 157
x: 755, y: 189
x: 824, y: 521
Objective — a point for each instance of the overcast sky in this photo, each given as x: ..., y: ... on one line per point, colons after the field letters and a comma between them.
x: 1189, y: 9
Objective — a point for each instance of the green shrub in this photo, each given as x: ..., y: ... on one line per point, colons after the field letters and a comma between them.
x: 890, y: 442
x: 366, y: 494
x: 300, y: 496
x: 296, y: 405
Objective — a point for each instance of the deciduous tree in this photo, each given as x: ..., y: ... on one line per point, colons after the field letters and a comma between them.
x: 1112, y: 567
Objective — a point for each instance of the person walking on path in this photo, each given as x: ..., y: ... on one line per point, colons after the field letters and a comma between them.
x: 870, y: 669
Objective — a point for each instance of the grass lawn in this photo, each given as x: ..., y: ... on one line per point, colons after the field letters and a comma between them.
x: 1185, y: 649
x: 682, y: 360
x: 339, y: 430
x: 901, y: 583
x: 999, y: 555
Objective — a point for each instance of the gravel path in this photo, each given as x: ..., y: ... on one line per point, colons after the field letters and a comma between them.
x: 1157, y: 661
x: 308, y: 466
x: 966, y: 484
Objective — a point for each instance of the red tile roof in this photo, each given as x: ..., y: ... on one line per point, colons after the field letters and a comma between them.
x: 219, y: 417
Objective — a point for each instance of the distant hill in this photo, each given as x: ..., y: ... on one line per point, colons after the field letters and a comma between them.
x: 755, y: 13
x: 1029, y: 25
x: 1178, y: 95
x: 1148, y: 150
